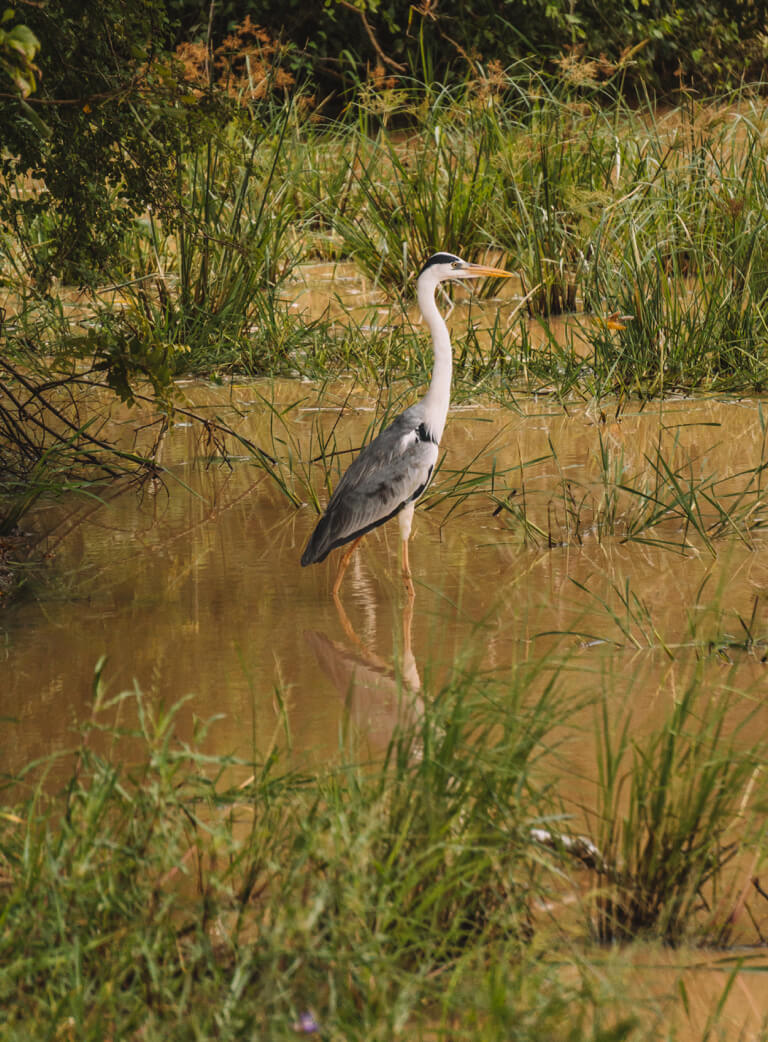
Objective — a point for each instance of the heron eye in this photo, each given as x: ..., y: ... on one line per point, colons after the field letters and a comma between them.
x: 456, y: 264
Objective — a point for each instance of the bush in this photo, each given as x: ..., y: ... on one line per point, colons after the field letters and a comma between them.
x: 96, y: 133
x: 706, y: 43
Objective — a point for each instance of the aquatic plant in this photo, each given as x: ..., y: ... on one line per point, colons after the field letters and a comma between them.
x: 150, y: 887
x: 675, y: 808
x: 168, y: 890
x: 412, y: 196
x: 204, y: 271
x: 670, y: 502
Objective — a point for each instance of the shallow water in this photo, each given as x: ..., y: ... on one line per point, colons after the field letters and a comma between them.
x: 195, y: 587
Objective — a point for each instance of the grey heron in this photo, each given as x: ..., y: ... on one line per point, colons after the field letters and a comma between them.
x: 394, y: 469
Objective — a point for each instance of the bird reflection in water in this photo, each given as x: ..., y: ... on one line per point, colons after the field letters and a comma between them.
x: 380, y: 697
x: 383, y: 482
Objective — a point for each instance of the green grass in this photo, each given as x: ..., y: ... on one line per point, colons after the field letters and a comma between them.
x: 657, y: 219
x: 671, y: 501
x: 147, y: 887
x: 152, y: 895
x: 413, y: 195
x: 675, y: 809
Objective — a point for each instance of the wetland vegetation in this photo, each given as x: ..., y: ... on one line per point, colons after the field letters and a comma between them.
x: 519, y: 808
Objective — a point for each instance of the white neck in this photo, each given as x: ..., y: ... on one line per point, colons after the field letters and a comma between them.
x: 438, y: 397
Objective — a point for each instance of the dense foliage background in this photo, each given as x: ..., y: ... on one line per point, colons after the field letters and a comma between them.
x: 706, y: 43
x: 120, y: 89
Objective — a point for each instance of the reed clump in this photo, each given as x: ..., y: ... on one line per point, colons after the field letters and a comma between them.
x: 151, y: 892
x: 148, y: 887
x: 677, y: 810
x: 649, y: 225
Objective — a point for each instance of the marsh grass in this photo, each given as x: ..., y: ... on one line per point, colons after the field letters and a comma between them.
x: 681, y: 332
x: 203, y: 270
x: 158, y: 892
x: 555, y: 164
x: 651, y: 225
x: 415, y: 193
x: 669, y: 502
x: 656, y: 220
x: 707, y: 629
x: 197, y: 276
x: 676, y: 808
x: 149, y: 887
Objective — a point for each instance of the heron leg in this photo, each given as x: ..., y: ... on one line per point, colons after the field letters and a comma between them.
x: 405, y: 518
x: 345, y: 559
x: 408, y: 624
x: 407, y: 577
x: 346, y: 625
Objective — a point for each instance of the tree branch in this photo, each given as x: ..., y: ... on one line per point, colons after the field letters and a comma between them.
x: 389, y: 61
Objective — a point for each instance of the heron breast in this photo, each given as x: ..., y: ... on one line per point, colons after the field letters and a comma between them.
x: 419, y: 434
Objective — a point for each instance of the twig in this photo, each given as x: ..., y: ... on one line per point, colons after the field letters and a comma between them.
x: 76, y: 430
x: 389, y: 61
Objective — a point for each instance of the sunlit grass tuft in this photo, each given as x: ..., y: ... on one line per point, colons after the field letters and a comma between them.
x: 676, y: 808
x: 671, y: 502
x: 161, y: 889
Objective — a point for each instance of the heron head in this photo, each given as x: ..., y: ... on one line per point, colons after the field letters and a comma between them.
x: 443, y: 266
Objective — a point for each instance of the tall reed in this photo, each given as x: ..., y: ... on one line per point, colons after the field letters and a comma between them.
x: 676, y: 808
x: 164, y: 891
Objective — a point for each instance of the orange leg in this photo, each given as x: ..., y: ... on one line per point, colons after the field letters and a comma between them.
x: 346, y: 625
x: 408, y: 623
x: 345, y: 559
x: 407, y: 579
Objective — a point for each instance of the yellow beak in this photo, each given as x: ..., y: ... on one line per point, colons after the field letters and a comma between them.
x: 482, y: 270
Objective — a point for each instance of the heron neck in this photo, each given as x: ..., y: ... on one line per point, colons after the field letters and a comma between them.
x: 438, y: 397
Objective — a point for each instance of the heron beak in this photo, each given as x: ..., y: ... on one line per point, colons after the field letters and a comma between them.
x: 478, y: 271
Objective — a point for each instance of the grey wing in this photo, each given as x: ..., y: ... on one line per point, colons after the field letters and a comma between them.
x: 393, y: 470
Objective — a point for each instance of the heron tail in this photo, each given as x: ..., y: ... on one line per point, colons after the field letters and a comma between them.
x: 319, y: 545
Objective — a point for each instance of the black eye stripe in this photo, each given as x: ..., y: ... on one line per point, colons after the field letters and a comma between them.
x: 442, y: 258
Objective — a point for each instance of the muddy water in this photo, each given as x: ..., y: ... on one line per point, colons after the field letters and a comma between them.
x: 195, y: 587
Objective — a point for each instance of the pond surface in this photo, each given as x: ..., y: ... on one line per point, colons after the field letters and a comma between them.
x: 536, y: 543
x: 196, y: 587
